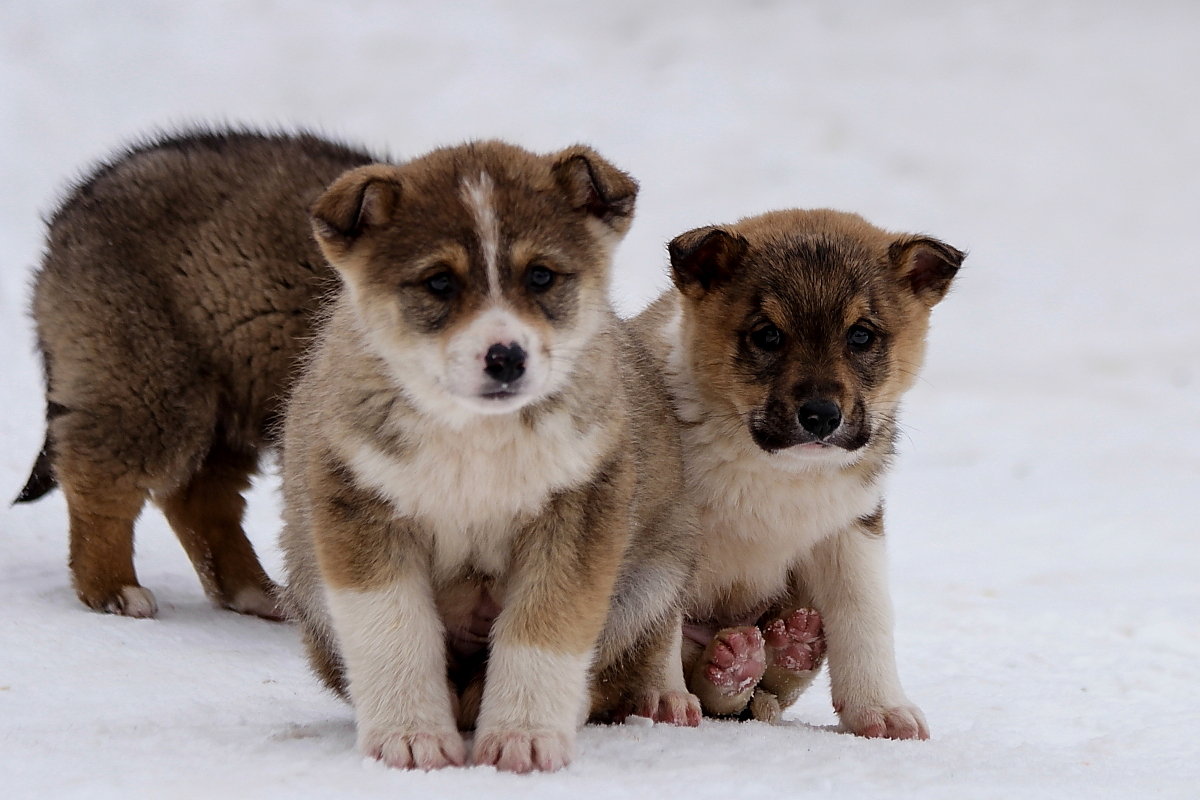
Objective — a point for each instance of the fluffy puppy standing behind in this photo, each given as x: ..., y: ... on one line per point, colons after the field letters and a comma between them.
x: 480, y: 463
x: 787, y: 349
x: 178, y: 286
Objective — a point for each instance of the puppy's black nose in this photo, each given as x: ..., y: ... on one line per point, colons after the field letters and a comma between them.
x: 819, y: 417
x: 504, y: 362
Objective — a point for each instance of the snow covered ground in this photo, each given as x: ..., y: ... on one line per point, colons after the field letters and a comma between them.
x: 1042, y: 526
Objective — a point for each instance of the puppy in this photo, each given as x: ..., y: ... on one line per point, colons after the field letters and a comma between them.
x: 177, y: 288
x: 481, y: 469
x: 787, y: 348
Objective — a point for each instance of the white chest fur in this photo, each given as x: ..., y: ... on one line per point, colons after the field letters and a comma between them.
x: 759, y: 514
x: 471, y: 484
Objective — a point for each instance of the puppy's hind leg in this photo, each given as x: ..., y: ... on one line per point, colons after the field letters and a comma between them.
x: 105, y: 492
x: 727, y: 671
x: 206, y: 515
x: 101, y: 549
x: 795, y: 648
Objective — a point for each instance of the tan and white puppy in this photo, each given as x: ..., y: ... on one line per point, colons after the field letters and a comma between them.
x: 787, y: 347
x: 481, y: 468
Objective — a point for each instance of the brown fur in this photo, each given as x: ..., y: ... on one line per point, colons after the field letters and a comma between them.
x: 812, y: 277
x: 595, y: 565
x: 178, y: 286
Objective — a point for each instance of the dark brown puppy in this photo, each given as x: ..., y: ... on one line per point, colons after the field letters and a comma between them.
x: 177, y: 288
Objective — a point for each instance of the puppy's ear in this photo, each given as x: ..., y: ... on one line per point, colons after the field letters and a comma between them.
x: 596, y: 186
x: 926, y: 266
x: 704, y: 258
x: 357, y: 201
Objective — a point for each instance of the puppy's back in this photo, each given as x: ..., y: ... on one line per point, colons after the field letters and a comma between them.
x: 184, y: 271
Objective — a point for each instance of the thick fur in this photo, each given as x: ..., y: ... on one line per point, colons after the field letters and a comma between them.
x: 178, y: 286
x: 763, y: 323
x: 439, y: 519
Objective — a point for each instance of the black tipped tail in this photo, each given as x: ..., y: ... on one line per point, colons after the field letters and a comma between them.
x: 41, y: 479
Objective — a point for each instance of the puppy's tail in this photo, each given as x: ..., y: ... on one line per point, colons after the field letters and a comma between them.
x: 41, y: 479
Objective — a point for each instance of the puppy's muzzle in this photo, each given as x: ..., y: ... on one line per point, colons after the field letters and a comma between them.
x: 819, y: 416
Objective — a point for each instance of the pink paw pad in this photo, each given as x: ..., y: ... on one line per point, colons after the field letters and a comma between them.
x: 738, y: 659
x: 796, y: 642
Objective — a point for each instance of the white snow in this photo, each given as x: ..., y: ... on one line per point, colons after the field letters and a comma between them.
x: 1042, y: 524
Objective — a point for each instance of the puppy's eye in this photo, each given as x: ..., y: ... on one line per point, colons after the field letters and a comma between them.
x: 539, y: 278
x: 768, y: 338
x: 441, y: 284
x: 860, y: 338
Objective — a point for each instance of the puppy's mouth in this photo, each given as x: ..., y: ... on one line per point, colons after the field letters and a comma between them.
x: 772, y: 442
x: 499, y: 397
x: 504, y: 393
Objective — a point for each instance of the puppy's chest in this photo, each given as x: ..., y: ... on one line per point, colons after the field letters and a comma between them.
x: 759, y: 521
x: 474, y: 488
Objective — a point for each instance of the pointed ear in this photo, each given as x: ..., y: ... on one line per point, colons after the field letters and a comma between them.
x: 926, y: 266
x: 356, y: 202
x: 704, y: 258
x: 593, y: 184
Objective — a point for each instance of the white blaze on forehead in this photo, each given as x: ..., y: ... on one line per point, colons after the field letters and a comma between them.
x: 477, y: 195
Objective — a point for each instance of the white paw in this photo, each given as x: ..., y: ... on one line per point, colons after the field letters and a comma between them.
x: 402, y: 749
x: 523, y: 751
x: 253, y: 600
x: 133, y: 601
x: 900, y: 721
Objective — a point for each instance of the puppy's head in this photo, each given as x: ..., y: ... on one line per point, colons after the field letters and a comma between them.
x: 478, y: 273
x: 806, y: 327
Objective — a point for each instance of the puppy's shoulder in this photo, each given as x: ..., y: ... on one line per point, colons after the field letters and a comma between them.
x: 658, y: 326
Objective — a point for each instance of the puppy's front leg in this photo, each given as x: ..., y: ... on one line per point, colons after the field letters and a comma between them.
x: 847, y: 575
x: 391, y: 638
x: 535, y: 695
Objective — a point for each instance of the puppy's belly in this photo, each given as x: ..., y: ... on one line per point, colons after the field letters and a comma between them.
x: 468, y: 609
x: 738, y: 576
x: 746, y: 561
x: 754, y: 537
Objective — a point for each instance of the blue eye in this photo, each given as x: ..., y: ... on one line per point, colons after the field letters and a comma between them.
x: 859, y: 337
x: 441, y: 284
x: 539, y: 278
x: 768, y: 338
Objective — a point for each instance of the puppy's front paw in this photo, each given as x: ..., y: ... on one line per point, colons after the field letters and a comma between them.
x: 673, y: 708
x: 523, y: 751
x: 901, y: 721
x: 258, y: 602
x: 403, y: 749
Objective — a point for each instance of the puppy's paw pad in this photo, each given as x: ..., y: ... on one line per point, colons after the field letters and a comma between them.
x: 672, y: 708
x: 523, y: 751
x: 736, y: 659
x: 795, y: 642
x: 412, y: 750
x: 900, y: 721
x: 256, y: 602
x: 128, y: 601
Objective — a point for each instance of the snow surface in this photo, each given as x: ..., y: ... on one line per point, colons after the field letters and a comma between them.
x: 1043, y: 537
